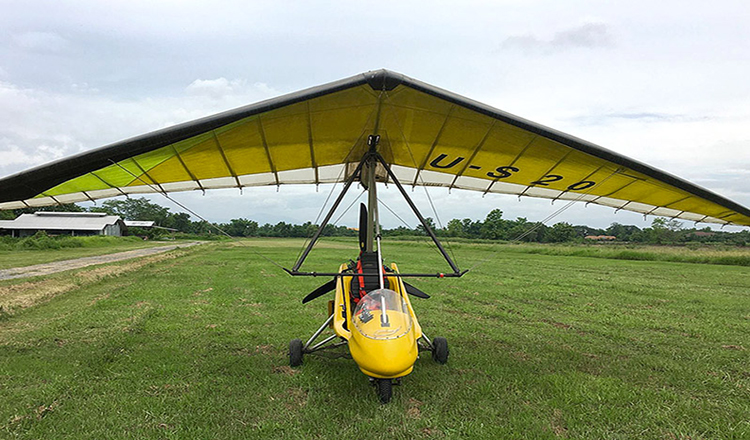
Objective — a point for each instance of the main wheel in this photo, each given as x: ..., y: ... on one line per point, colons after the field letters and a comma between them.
x: 295, y: 353
x: 385, y: 390
x: 440, y: 350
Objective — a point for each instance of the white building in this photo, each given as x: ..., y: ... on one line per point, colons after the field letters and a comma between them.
x: 64, y: 223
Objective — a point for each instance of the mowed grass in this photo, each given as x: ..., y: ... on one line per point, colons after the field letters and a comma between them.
x: 85, y: 247
x: 691, y: 253
x: 542, y: 346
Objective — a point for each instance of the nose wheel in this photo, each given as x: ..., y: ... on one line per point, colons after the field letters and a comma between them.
x: 385, y: 390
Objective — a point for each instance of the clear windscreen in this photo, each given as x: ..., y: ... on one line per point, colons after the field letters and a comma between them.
x: 382, y: 314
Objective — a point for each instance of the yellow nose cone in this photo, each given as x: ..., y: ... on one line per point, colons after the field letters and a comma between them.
x: 384, y: 358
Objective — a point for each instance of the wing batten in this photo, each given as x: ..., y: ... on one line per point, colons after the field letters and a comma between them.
x: 27, y: 184
x: 187, y: 170
x: 265, y: 147
x: 547, y: 173
x: 310, y: 142
x: 145, y: 173
x: 88, y: 197
x: 610, y: 194
x: 589, y: 176
x: 225, y: 160
x: 473, y: 154
x: 108, y: 184
x: 444, y: 139
x: 676, y: 201
x: 434, y: 144
x: 575, y: 143
x: 57, y: 202
x: 512, y: 163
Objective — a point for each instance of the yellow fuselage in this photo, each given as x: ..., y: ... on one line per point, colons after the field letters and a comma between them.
x: 393, y: 350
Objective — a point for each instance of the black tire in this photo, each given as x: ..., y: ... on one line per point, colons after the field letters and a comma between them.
x: 440, y: 350
x: 295, y: 353
x: 385, y: 390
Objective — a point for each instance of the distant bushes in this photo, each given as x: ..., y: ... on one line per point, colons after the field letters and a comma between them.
x: 42, y: 241
x: 704, y: 254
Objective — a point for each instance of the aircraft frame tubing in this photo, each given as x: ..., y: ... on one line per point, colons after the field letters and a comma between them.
x: 414, y: 208
x: 389, y: 274
x: 426, y: 343
x: 317, y: 333
x: 375, y: 157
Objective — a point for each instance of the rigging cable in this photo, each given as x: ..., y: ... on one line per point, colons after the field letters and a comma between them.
x: 394, y: 213
x: 422, y: 238
x: 164, y: 193
x: 349, y: 207
x: 538, y: 225
x: 424, y: 185
x: 336, y: 182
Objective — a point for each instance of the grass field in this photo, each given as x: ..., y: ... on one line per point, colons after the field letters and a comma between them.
x: 82, y: 247
x: 193, y: 345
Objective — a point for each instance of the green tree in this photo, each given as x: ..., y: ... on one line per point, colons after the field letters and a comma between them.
x: 422, y: 231
x: 305, y: 230
x: 522, y: 230
x: 455, y: 228
x: 472, y: 229
x: 241, y: 227
x: 494, y: 227
x: 282, y: 229
x: 201, y: 227
x: 561, y: 232
x: 664, y: 231
x: 399, y: 231
x: 135, y: 209
x: 624, y: 232
x: 180, y: 221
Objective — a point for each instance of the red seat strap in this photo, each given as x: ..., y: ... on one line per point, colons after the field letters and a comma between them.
x: 362, y: 291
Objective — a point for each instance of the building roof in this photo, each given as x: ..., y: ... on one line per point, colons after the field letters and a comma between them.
x: 600, y: 237
x: 79, y: 221
x: 139, y: 223
x: 704, y: 234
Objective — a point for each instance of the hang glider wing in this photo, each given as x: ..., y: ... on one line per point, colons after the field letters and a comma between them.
x: 430, y: 137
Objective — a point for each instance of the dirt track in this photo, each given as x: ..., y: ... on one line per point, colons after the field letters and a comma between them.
x: 60, y: 266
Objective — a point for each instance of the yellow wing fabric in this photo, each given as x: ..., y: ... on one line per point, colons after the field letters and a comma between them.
x: 428, y: 135
x: 469, y: 146
x: 305, y: 142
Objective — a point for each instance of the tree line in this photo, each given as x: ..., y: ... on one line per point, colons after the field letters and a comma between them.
x: 493, y: 227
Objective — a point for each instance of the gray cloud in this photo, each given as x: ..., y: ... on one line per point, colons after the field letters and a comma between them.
x: 221, y: 88
x: 586, y: 36
x: 649, y: 116
x: 597, y: 118
x: 41, y: 126
x: 635, y: 78
x: 589, y: 35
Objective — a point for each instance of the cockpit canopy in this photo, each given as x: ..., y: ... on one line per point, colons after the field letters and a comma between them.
x: 382, y: 314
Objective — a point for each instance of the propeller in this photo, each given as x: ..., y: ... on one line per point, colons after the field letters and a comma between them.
x: 320, y: 291
x: 331, y: 286
x: 362, y: 227
x: 411, y: 290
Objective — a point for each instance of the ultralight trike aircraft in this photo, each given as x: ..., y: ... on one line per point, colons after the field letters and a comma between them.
x: 376, y: 127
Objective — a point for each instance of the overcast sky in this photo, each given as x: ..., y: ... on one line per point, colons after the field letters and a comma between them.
x: 666, y: 83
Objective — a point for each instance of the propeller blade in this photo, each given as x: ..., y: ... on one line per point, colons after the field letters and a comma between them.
x: 320, y: 291
x: 362, y: 227
x: 411, y: 290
